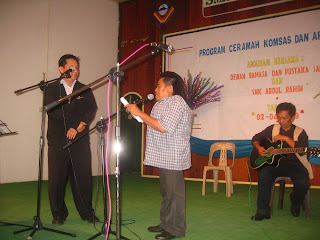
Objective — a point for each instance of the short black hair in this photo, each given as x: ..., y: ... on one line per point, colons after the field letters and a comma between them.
x: 63, y: 60
x: 174, y: 80
x: 285, y: 106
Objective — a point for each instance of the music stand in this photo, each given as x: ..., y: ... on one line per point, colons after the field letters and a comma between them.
x: 37, y: 226
x: 7, y: 131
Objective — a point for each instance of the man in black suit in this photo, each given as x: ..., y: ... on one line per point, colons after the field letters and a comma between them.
x: 65, y: 122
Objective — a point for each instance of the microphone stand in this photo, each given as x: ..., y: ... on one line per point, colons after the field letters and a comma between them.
x: 42, y: 85
x: 117, y: 156
x: 114, y: 75
x: 37, y: 226
x: 98, y: 125
x: 101, y: 125
x: 101, y: 121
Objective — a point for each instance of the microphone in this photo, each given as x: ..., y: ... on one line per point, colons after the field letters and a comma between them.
x: 165, y: 47
x: 148, y: 98
x: 66, y: 74
x: 125, y: 102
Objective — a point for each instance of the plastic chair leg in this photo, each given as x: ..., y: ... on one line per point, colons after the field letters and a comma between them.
x: 228, y: 182
x: 204, y: 178
x: 215, y: 181
x: 271, y: 199
x: 231, y: 183
x: 281, y: 194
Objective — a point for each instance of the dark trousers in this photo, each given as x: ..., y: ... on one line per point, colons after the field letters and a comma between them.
x: 299, y: 177
x: 76, y: 164
x: 173, y: 204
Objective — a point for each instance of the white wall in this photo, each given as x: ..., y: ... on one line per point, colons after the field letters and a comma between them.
x: 33, y: 36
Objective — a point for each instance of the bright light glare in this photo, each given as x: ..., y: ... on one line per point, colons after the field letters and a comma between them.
x: 117, y: 147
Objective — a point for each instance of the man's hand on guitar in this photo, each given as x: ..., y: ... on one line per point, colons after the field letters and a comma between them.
x: 284, y: 139
x: 262, y: 151
x: 280, y: 137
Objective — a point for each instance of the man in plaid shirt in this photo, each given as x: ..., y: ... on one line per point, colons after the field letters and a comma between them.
x: 168, y: 148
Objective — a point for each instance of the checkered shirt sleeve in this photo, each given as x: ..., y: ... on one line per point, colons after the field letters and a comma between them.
x: 170, y: 150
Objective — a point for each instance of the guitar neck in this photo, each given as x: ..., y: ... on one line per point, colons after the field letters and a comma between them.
x: 290, y: 150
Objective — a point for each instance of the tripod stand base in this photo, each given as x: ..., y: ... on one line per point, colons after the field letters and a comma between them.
x: 104, y: 231
x: 37, y: 226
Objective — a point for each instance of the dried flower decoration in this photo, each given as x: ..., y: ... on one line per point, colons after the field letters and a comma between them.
x: 198, y: 91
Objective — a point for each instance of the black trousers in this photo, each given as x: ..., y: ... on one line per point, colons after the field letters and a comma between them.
x: 299, y: 177
x: 173, y: 204
x: 77, y: 165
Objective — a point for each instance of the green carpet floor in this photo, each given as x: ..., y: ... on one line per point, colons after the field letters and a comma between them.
x: 209, y: 217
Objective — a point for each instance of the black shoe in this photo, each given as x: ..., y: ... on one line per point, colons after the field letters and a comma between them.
x: 295, y: 209
x: 93, y: 219
x: 58, y: 220
x: 260, y: 217
x: 155, y: 229
x: 165, y: 235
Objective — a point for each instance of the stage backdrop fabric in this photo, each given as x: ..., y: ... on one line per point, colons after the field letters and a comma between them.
x: 261, y: 64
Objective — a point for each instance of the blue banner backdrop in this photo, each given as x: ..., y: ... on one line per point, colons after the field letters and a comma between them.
x: 243, y: 148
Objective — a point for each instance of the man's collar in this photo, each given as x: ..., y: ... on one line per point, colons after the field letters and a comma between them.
x: 292, y: 127
x: 64, y: 82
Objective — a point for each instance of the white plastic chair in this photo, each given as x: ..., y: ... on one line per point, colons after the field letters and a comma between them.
x: 222, y: 165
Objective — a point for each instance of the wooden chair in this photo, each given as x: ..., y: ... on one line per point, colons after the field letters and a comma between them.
x: 306, y: 206
x: 222, y: 165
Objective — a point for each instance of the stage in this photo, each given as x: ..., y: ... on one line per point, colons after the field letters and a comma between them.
x: 213, y: 216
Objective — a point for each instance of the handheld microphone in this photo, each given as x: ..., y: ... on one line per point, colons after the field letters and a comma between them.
x: 165, y: 47
x: 66, y: 74
x: 148, y: 98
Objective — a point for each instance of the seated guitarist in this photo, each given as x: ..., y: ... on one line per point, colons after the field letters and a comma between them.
x: 289, y: 166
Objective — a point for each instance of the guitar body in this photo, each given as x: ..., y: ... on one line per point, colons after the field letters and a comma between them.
x: 257, y: 161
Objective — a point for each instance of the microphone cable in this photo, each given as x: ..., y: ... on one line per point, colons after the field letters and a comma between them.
x: 99, y: 172
x: 71, y: 160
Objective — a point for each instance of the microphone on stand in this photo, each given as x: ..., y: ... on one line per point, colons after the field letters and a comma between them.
x: 148, y: 98
x: 66, y: 74
x: 164, y: 47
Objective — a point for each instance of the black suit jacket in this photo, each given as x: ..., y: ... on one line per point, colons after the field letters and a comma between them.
x: 68, y: 114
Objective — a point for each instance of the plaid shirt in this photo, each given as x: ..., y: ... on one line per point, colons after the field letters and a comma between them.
x: 170, y: 150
